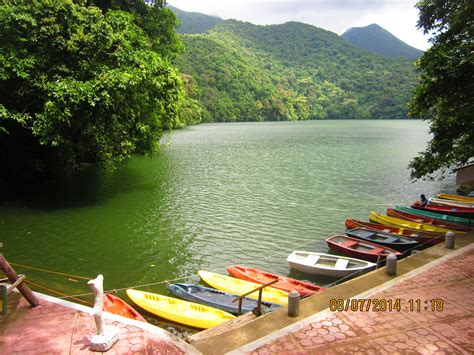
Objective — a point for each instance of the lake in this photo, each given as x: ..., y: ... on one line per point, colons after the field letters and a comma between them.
x: 215, y: 195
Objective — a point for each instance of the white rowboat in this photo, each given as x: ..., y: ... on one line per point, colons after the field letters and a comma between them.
x: 327, y: 264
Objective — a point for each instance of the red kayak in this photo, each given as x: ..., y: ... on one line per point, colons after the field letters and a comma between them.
x: 262, y: 277
x: 115, y: 305
x: 466, y: 212
x: 426, y: 220
x: 360, y: 249
x: 424, y: 238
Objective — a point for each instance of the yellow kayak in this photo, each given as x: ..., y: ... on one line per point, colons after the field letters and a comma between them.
x: 237, y: 286
x: 402, y: 223
x: 456, y: 198
x: 183, y: 312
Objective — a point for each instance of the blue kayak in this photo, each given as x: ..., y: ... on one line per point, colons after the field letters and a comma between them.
x: 217, y: 299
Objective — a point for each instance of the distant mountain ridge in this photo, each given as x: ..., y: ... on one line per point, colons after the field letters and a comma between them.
x: 238, y: 71
x: 194, y: 22
x: 376, y: 39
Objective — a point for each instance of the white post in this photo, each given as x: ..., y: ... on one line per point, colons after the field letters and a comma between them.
x: 293, y: 304
x: 449, y: 240
x: 106, y: 336
x: 391, y: 268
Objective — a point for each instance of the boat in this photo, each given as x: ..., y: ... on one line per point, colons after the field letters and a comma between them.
x: 385, y: 239
x: 360, y: 249
x: 239, y: 287
x: 217, y: 299
x: 284, y: 283
x: 424, y: 238
x: 397, y: 222
x: 456, y: 198
x: 434, y: 215
x: 442, y: 202
x: 464, y: 212
x: 426, y: 220
x: 327, y: 264
x: 179, y: 311
x: 116, y: 305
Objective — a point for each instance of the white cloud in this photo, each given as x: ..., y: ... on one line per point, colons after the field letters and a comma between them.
x: 397, y: 16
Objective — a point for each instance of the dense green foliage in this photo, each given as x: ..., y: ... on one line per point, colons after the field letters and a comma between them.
x: 445, y: 94
x: 193, y: 22
x: 82, y: 84
x: 292, y: 71
x: 375, y: 39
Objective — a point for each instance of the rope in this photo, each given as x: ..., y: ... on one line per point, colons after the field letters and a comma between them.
x: 57, y: 292
x: 52, y: 272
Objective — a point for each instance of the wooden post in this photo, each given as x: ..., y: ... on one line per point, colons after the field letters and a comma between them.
x: 13, y: 277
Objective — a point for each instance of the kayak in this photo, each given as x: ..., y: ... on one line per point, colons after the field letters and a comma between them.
x: 426, y: 220
x: 116, y: 305
x: 240, y: 287
x: 434, y: 215
x: 218, y: 299
x: 397, y: 222
x: 284, y: 283
x: 456, y: 198
x: 179, y: 311
x: 464, y: 212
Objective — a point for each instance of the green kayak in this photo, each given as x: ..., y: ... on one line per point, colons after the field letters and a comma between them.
x: 438, y: 216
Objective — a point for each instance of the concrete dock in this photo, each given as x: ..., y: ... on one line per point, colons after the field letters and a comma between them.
x: 429, y: 309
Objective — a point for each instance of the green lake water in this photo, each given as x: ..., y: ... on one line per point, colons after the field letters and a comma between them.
x: 215, y: 195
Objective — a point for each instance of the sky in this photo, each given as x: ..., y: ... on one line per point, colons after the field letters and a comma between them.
x: 397, y: 16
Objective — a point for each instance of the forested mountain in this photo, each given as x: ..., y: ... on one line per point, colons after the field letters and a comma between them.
x: 376, y: 39
x: 193, y: 22
x: 240, y: 71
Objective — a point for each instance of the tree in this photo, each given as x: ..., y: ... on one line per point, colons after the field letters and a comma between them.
x: 445, y: 93
x: 79, y: 85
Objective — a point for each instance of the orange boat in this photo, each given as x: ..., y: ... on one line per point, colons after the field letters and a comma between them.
x: 115, y: 305
x: 262, y: 277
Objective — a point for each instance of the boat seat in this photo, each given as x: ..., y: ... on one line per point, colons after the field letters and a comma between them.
x: 349, y: 243
x: 341, y: 264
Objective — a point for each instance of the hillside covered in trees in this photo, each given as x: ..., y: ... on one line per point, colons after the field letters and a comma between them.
x: 238, y: 71
x: 376, y: 39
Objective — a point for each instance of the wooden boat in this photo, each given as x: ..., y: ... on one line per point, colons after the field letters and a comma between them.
x: 327, y: 264
x: 434, y: 215
x: 239, y: 287
x: 426, y: 220
x: 116, y: 305
x: 456, y: 198
x: 217, y: 299
x: 285, y: 283
x: 179, y: 311
x: 424, y: 238
x: 442, y: 202
x: 360, y: 249
x: 464, y: 212
x: 403, y: 223
x: 385, y: 239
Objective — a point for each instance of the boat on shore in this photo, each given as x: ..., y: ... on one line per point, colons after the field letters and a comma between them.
x: 426, y: 220
x: 179, y: 311
x: 439, y: 216
x: 359, y: 249
x: 403, y: 223
x: 385, y: 239
x: 422, y: 237
x: 456, y: 198
x: 116, y: 305
x: 239, y: 287
x: 328, y: 264
x: 443, y: 202
x: 284, y: 283
x: 218, y: 299
x: 464, y: 212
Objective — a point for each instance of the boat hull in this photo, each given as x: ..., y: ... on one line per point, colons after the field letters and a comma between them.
x: 116, y: 305
x: 386, y: 239
x: 326, y: 264
x: 285, y: 283
x: 439, y: 216
x: 452, y: 211
x: 403, y: 223
x: 456, y: 198
x: 217, y: 299
x: 179, y: 311
x: 420, y: 219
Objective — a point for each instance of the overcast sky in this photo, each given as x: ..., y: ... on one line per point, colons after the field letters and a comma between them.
x: 397, y: 16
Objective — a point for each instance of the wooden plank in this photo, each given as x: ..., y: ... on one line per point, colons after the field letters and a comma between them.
x: 221, y: 329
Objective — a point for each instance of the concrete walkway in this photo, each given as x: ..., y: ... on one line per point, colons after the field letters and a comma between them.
x: 436, y: 316
x: 61, y: 327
